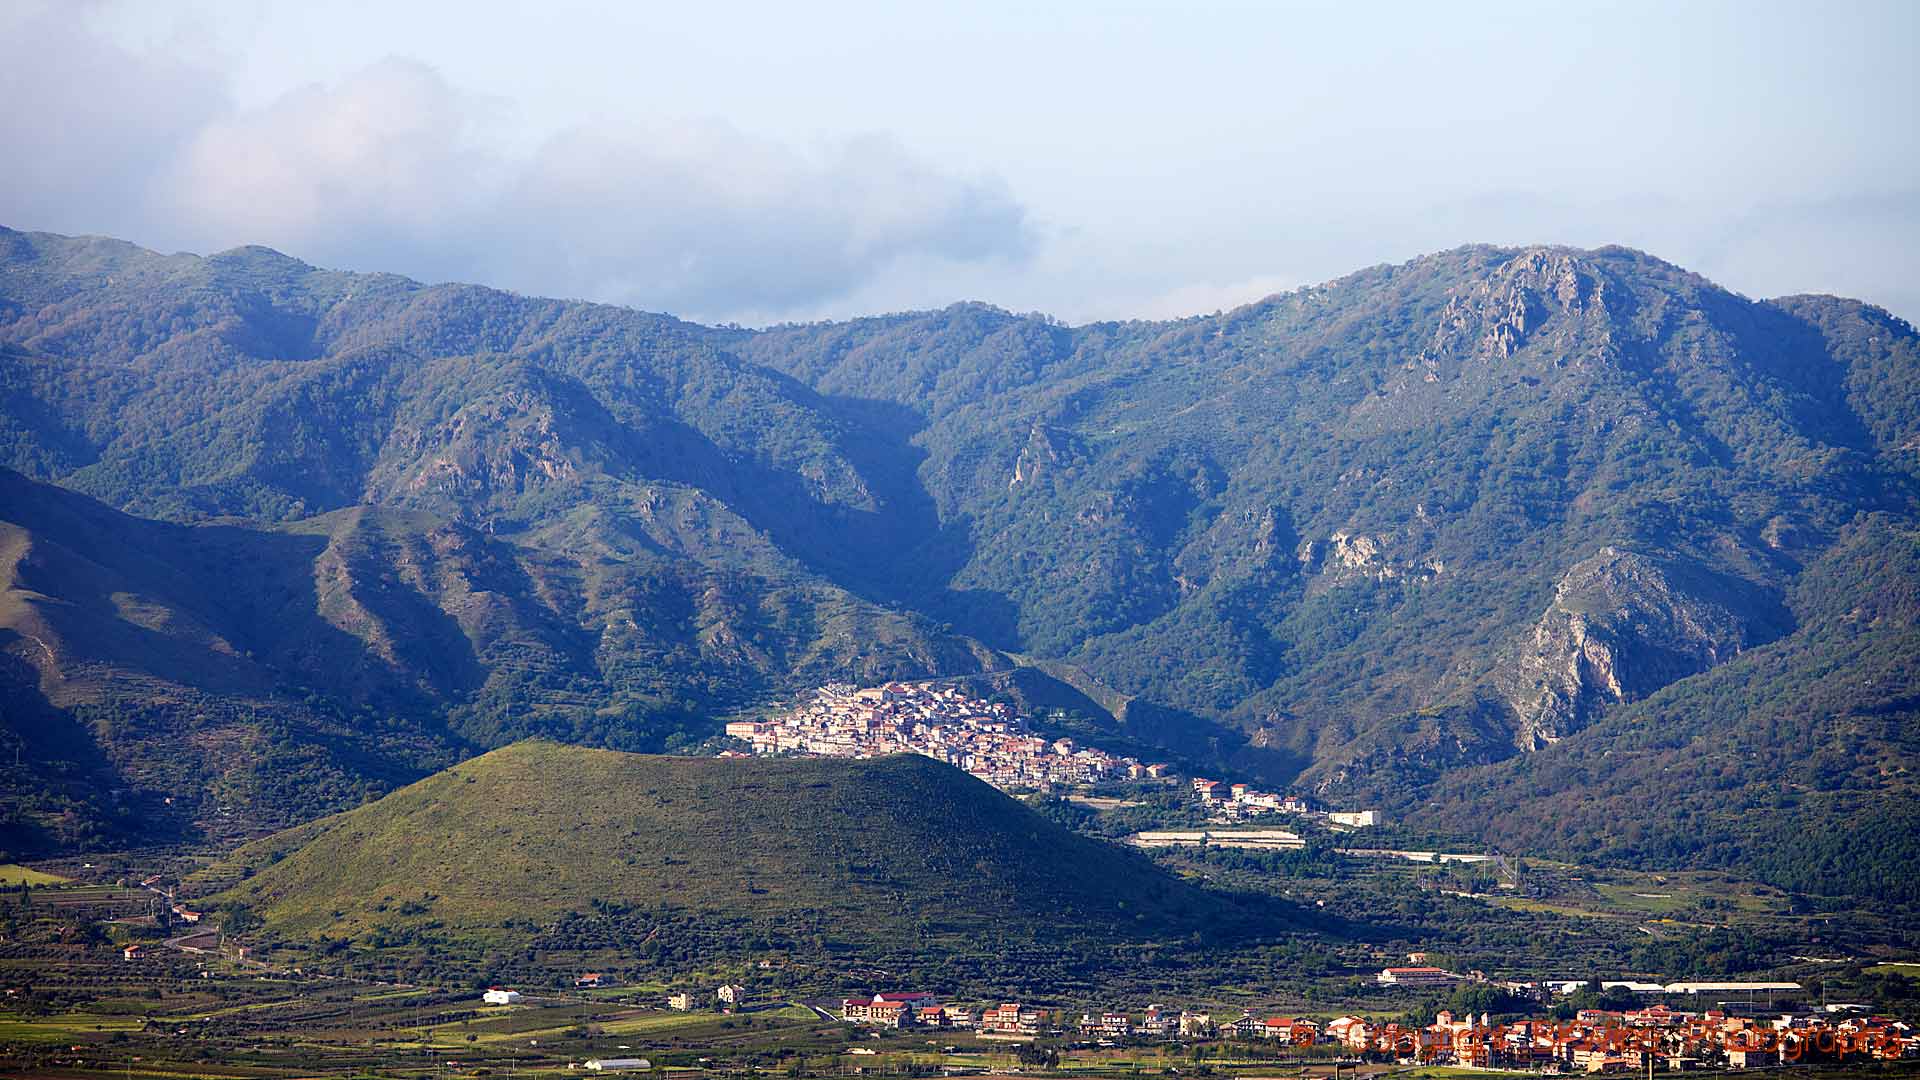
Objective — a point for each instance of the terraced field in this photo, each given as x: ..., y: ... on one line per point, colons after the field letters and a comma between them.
x: 13, y: 874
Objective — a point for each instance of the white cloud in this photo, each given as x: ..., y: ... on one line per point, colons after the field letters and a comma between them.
x: 88, y: 124
x: 392, y: 168
x: 1137, y: 198
x: 384, y: 160
x: 711, y: 221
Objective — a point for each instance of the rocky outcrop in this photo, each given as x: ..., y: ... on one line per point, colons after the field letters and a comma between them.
x: 1247, y: 542
x: 1347, y: 557
x: 1494, y: 317
x: 1621, y: 626
x: 508, y: 433
x: 1048, y: 448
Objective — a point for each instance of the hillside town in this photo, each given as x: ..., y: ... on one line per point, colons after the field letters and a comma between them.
x: 986, y: 739
x: 992, y: 742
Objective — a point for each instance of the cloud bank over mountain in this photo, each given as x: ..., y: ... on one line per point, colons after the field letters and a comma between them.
x: 765, y: 163
x: 394, y: 167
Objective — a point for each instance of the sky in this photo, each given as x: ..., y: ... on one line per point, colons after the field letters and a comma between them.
x: 762, y: 162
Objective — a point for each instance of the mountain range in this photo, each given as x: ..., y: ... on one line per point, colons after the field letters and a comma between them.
x: 1573, y: 549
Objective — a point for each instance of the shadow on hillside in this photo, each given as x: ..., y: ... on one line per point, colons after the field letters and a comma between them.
x: 894, y: 550
x: 218, y: 608
x: 58, y: 788
x: 917, y: 555
x: 1212, y: 743
x: 1775, y: 345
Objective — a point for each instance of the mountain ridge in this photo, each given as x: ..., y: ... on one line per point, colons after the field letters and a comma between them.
x: 1434, y: 515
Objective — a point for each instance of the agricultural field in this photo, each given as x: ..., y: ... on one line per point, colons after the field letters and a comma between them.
x: 1701, y: 898
x: 69, y: 1027
x: 14, y: 874
x: 73, y: 1006
x: 81, y: 1012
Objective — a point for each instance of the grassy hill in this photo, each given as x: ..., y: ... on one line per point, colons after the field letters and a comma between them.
x: 554, y: 849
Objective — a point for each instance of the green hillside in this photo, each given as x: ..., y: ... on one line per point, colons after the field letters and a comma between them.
x: 1807, y: 776
x: 554, y: 848
x: 1338, y: 506
x: 156, y: 677
x: 274, y: 672
x: 1413, y: 536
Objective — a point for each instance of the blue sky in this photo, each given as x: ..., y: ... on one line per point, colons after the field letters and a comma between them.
x: 758, y: 162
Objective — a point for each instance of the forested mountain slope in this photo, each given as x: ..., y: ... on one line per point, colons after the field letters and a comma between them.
x: 1798, y: 762
x: 1476, y: 510
x: 1541, y: 481
x: 257, y: 676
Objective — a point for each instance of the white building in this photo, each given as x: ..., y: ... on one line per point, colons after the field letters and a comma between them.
x: 1730, y: 987
x: 1418, y: 976
x: 618, y: 1064
x: 498, y: 996
x: 1195, y: 1025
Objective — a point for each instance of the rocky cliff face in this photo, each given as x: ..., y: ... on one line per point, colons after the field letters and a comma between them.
x: 1621, y: 626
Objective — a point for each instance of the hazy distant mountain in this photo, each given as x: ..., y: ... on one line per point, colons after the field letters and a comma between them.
x: 1479, y: 511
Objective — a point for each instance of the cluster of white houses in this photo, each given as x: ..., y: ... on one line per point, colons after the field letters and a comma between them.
x: 1231, y: 802
x: 1594, y: 1041
x: 985, y: 739
x: 729, y: 997
x: 1423, y: 977
x: 1632, y: 1041
x: 920, y: 1009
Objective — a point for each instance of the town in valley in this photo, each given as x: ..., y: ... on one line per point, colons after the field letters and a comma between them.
x: 1737, y: 1027
x: 994, y: 743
